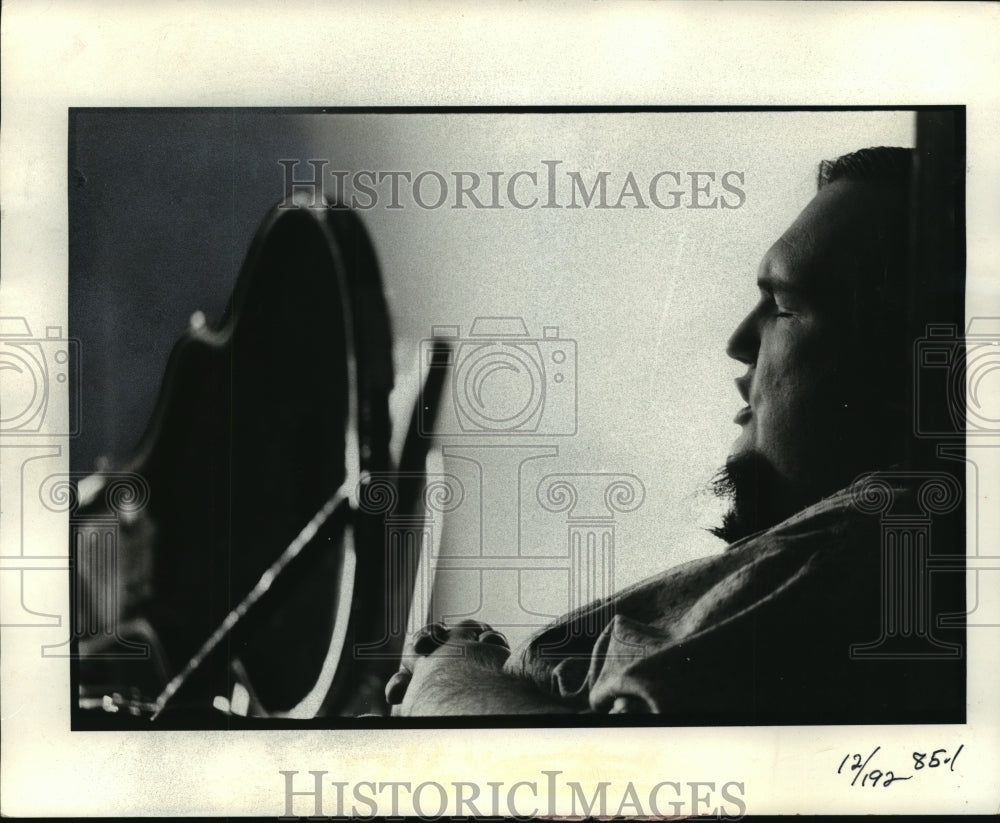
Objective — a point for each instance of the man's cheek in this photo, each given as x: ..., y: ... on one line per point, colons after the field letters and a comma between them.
x: 793, y: 414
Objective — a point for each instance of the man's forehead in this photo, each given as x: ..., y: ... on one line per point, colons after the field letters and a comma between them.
x: 839, y: 226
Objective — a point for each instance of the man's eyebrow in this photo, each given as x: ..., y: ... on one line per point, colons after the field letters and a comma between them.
x: 771, y: 284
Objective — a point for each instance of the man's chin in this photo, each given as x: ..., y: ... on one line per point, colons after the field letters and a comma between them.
x: 757, y: 496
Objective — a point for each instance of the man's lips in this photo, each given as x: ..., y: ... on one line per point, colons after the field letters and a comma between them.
x: 743, y: 387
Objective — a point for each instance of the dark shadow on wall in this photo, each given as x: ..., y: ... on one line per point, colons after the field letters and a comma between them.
x: 162, y: 206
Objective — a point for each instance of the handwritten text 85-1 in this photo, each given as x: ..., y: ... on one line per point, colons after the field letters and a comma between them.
x: 921, y: 761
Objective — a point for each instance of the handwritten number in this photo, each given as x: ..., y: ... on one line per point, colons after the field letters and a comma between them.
x: 887, y: 778
x: 890, y: 778
x: 862, y: 767
x: 954, y: 757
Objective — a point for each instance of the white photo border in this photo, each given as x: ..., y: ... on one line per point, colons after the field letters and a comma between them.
x: 65, y: 55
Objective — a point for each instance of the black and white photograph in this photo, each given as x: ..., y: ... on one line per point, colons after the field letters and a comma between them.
x: 396, y: 454
x: 449, y: 441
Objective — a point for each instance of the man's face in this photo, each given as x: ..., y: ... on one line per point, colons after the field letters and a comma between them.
x: 798, y: 345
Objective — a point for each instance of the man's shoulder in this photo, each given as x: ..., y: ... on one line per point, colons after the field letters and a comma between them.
x: 833, y: 530
x: 845, y: 525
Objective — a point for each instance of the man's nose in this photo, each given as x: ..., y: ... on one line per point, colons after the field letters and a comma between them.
x: 745, y: 342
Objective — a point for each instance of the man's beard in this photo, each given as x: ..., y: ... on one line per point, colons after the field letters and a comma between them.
x: 758, y: 499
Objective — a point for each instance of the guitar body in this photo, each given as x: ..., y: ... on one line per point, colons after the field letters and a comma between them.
x: 258, y: 424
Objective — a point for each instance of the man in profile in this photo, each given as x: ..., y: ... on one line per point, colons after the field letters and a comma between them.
x: 763, y: 632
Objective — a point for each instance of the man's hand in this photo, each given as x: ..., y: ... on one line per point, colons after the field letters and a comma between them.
x: 459, y: 641
x: 458, y: 670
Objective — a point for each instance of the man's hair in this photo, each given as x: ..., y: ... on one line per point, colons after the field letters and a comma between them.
x: 880, y: 334
x: 882, y: 164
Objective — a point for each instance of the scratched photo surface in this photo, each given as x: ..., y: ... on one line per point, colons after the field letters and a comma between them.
x: 347, y: 373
